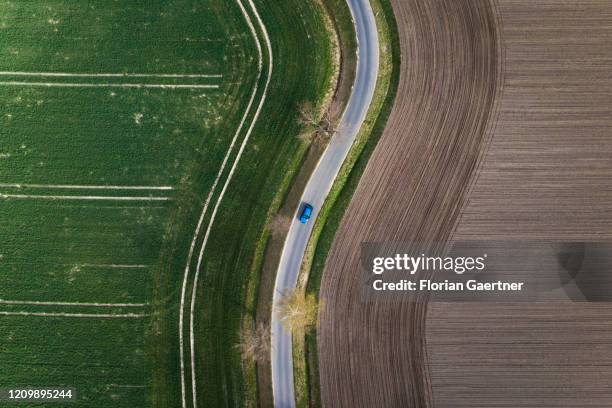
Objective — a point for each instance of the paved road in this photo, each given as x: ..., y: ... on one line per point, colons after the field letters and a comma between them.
x: 317, y: 189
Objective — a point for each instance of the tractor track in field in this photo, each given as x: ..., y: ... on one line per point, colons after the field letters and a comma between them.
x: 208, y: 201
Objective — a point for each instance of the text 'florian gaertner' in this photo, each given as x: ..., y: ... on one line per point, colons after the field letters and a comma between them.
x: 458, y: 265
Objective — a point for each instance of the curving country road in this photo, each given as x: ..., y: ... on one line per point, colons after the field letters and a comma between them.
x: 317, y: 189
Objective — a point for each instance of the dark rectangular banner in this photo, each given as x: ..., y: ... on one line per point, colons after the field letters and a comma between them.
x: 487, y: 271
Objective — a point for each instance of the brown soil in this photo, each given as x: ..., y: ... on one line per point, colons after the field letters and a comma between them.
x: 412, y: 189
x: 547, y: 175
x: 500, y: 130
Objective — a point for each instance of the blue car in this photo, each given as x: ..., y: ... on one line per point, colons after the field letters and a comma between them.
x: 306, y: 213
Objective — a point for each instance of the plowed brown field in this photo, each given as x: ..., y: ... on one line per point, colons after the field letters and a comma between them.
x: 501, y: 129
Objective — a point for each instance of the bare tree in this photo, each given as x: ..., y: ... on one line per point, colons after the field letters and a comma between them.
x: 298, y: 312
x: 255, y: 342
x: 320, y: 129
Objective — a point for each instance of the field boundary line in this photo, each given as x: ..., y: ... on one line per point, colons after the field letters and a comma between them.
x: 95, y: 198
x: 84, y: 187
x: 84, y: 315
x: 103, y: 85
x: 229, y: 177
x: 105, y: 75
x: 84, y: 304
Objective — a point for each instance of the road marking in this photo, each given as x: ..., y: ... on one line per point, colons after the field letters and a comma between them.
x: 65, y: 197
x: 105, y: 75
x: 101, y: 85
x: 84, y: 187
x: 85, y: 315
x: 85, y: 304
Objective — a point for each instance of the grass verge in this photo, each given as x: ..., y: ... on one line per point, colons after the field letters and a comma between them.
x: 263, y: 271
x: 230, y: 273
x: 305, y: 349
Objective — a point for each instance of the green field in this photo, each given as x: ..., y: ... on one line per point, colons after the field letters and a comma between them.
x: 116, y: 119
x: 89, y: 100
